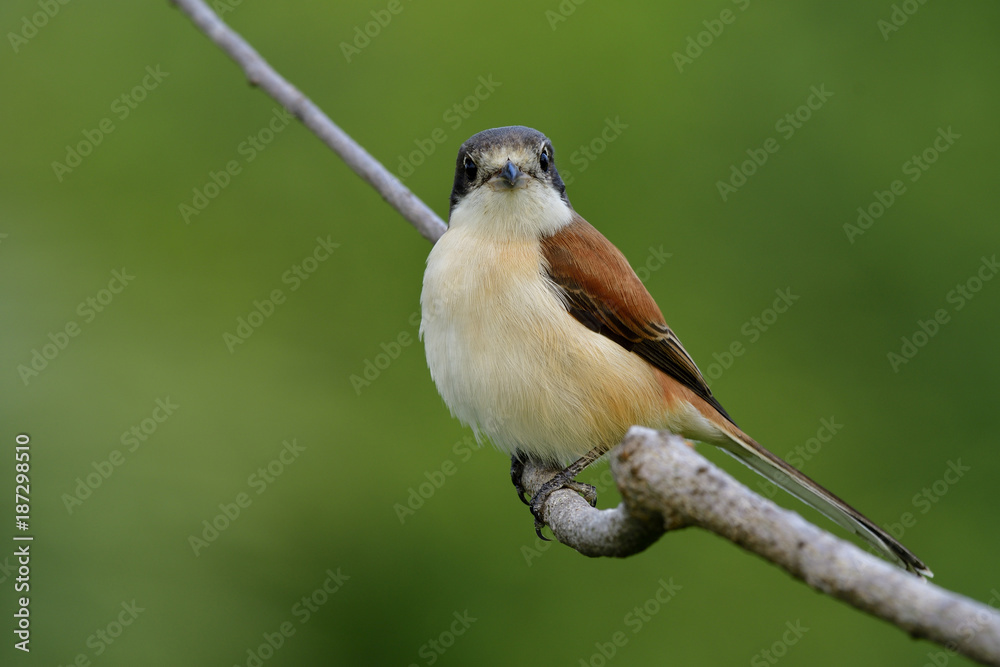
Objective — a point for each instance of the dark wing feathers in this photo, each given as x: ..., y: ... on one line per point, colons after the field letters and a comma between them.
x: 579, y: 261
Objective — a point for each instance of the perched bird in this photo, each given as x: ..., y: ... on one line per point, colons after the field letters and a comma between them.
x: 540, y: 336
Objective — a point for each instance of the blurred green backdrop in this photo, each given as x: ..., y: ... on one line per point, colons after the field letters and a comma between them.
x: 650, y: 107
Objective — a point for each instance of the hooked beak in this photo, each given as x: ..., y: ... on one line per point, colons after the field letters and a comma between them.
x: 508, y: 178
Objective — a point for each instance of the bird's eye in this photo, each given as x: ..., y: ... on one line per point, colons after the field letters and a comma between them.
x: 470, y: 168
x: 543, y: 159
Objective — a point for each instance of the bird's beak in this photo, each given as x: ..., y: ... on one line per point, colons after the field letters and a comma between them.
x: 509, y: 178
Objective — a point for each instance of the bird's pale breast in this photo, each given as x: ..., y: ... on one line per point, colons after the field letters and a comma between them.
x: 511, y: 362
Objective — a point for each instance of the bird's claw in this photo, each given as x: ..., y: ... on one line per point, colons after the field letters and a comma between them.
x: 516, y: 472
x: 538, y: 500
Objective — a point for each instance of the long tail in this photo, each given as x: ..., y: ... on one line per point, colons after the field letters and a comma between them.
x: 743, y: 448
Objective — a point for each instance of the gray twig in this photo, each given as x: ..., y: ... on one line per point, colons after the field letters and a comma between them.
x: 261, y: 74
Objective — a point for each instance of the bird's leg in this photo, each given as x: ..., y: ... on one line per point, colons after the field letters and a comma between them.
x: 565, y: 480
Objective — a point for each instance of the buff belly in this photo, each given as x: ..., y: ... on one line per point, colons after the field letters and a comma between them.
x: 513, y: 364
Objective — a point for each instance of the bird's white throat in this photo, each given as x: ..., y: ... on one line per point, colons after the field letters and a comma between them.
x: 530, y: 212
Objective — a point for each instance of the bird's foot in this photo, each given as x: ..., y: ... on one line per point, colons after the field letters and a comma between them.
x: 563, y: 480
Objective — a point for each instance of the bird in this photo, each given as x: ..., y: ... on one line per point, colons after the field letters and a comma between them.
x: 539, y: 335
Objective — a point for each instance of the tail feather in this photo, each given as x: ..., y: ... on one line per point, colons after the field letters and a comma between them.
x: 751, y: 454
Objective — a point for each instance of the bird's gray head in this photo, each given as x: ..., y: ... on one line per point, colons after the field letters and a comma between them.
x: 507, y: 163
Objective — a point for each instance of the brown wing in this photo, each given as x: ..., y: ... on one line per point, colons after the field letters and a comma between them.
x: 603, y: 293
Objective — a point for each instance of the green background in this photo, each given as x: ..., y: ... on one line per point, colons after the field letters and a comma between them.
x: 653, y: 189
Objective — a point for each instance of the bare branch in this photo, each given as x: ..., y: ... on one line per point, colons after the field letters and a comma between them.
x: 261, y: 74
x: 658, y: 473
x: 665, y: 484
